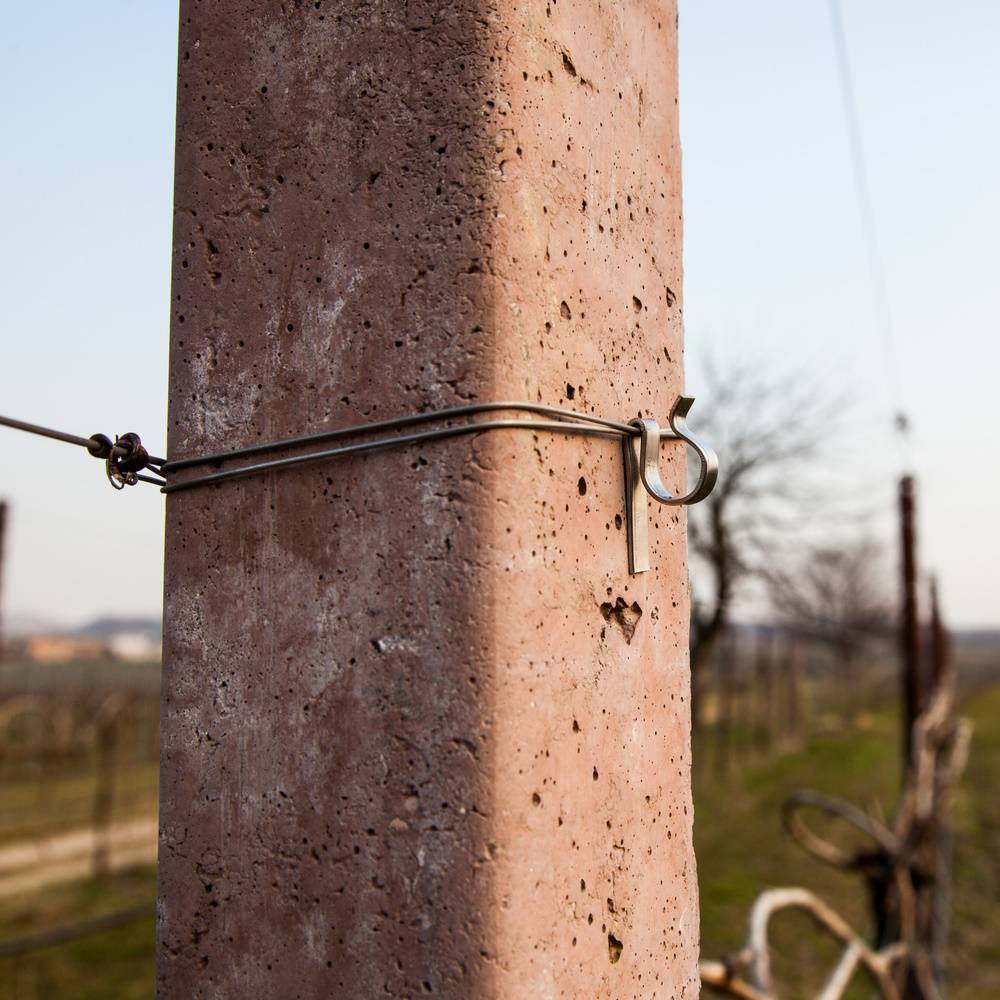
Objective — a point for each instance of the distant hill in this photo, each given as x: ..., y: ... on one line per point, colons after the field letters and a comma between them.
x: 26, y: 624
x: 110, y: 625
x: 15, y: 625
x: 981, y: 637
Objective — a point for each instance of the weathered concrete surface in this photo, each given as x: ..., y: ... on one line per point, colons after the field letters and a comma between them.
x: 422, y: 733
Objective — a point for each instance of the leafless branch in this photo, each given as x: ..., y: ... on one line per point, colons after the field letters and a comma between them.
x: 771, y: 428
x: 901, y: 863
x: 754, y: 961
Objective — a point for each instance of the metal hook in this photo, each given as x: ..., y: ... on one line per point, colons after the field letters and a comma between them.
x: 642, y: 469
x: 649, y: 457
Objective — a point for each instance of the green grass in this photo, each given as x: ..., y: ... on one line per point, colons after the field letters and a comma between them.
x: 741, y: 848
x: 974, y: 961
x: 114, y: 965
x: 45, y: 795
x: 65, y: 801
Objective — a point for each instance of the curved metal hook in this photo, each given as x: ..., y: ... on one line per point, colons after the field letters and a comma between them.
x: 649, y: 457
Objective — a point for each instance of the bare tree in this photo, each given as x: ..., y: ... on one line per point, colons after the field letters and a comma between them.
x: 768, y: 429
x: 835, y: 594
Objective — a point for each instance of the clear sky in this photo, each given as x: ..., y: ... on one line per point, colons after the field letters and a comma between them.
x: 774, y: 256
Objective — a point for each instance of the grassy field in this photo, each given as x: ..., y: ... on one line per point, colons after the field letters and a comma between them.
x: 115, y: 965
x: 65, y: 802
x: 741, y: 848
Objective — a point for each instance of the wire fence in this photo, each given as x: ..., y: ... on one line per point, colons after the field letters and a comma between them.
x: 763, y: 693
x: 75, y: 760
x: 79, y: 770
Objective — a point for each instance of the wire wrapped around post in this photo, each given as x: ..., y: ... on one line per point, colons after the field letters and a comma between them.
x: 125, y: 458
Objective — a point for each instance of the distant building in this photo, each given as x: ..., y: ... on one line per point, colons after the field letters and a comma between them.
x: 63, y: 648
x: 133, y: 647
x: 125, y: 639
x: 126, y: 647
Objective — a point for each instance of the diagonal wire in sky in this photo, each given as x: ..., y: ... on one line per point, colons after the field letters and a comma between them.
x: 880, y: 292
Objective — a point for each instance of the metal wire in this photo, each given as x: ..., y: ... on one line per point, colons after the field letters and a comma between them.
x: 81, y: 442
x: 565, y: 422
x: 876, y: 268
x: 397, y: 423
x: 22, y: 425
x: 609, y: 429
x: 72, y: 932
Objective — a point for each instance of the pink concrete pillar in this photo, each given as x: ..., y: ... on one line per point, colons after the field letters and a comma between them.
x: 422, y: 732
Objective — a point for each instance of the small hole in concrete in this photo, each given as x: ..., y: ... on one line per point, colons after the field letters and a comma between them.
x: 615, y: 948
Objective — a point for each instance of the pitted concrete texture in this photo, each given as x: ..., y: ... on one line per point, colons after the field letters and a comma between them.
x: 422, y: 733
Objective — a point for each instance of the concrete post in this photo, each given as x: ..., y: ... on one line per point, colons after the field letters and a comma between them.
x: 422, y: 733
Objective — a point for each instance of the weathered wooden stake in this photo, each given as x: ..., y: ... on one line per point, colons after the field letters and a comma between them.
x: 725, y: 669
x: 763, y: 692
x: 795, y: 652
x: 912, y: 694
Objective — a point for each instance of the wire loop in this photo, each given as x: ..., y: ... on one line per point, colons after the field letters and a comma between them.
x: 126, y: 459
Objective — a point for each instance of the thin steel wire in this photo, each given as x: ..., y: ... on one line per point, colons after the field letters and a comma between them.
x: 23, y: 425
x: 48, y: 432
x: 398, y: 423
x: 880, y: 291
x: 566, y: 422
x: 876, y: 267
x: 72, y: 932
x: 610, y: 429
x: 150, y: 479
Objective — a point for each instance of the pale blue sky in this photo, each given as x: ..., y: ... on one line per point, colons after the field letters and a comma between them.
x: 774, y: 253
